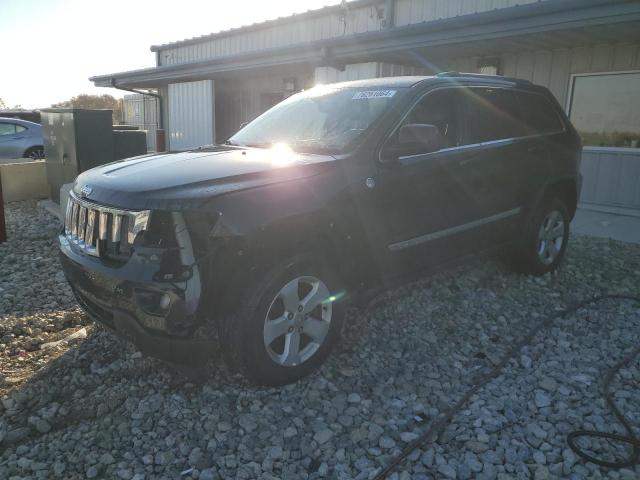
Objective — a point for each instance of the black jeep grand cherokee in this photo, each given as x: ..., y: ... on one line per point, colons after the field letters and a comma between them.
x: 259, y: 241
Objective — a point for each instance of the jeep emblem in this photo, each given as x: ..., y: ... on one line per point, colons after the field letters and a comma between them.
x: 86, y: 190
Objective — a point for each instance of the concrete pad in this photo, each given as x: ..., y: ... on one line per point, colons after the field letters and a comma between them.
x: 607, y: 225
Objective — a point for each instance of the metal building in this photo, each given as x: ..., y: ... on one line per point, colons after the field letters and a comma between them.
x: 142, y: 111
x: 587, y: 52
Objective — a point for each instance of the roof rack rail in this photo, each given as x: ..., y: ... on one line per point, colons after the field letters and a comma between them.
x: 481, y: 76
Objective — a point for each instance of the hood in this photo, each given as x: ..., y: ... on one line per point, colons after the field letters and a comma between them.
x: 187, y: 179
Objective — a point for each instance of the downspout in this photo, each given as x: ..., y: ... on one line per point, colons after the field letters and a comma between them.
x: 390, y: 13
x: 160, y: 141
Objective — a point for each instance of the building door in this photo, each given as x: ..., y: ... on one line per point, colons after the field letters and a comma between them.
x: 191, y: 114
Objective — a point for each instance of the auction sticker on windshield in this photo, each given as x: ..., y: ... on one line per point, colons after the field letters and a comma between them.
x: 374, y: 94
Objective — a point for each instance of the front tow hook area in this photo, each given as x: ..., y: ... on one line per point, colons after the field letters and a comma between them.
x: 185, y: 351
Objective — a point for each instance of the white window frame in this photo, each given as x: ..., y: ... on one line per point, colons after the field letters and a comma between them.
x: 569, y: 103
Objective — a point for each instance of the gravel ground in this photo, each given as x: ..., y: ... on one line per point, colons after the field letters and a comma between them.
x: 95, y: 408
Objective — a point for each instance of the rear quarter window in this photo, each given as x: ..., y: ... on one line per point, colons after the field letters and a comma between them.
x: 491, y: 114
x: 538, y: 114
x: 7, y: 129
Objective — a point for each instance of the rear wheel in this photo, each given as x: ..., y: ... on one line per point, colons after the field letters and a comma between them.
x: 287, y: 324
x: 35, y: 153
x: 546, y: 236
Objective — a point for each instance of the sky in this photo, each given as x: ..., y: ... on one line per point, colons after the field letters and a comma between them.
x: 49, y: 48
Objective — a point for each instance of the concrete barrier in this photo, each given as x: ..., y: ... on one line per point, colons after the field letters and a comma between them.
x: 24, y: 181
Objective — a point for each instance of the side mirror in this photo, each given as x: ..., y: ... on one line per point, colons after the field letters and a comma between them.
x: 417, y: 138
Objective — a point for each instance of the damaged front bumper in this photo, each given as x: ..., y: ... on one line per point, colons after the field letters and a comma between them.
x: 140, y: 302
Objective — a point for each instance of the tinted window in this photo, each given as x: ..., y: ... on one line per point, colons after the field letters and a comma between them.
x: 538, y: 114
x: 20, y: 128
x: 605, y: 109
x: 491, y: 114
x: 7, y: 129
x: 440, y: 109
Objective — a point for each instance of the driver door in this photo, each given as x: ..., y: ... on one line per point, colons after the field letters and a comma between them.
x: 423, y: 201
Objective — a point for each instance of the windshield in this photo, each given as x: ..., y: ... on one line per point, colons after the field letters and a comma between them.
x: 319, y: 120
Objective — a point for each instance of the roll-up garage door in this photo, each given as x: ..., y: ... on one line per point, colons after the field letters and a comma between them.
x: 191, y: 114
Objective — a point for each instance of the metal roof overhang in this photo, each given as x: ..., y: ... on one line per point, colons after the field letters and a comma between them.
x: 552, y: 23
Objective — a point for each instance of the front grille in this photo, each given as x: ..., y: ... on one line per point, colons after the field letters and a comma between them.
x: 101, y: 231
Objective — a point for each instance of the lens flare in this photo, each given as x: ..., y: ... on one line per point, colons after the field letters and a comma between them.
x: 282, y: 155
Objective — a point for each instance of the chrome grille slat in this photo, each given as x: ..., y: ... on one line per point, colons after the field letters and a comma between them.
x: 116, y: 230
x: 82, y: 222
x: 74, y: 220
x: 101, y: 230
x: 91, y: 227
x: 67, y: 218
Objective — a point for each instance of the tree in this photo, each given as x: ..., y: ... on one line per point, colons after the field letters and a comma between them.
x: 3, y: 106
x: 94, y: 101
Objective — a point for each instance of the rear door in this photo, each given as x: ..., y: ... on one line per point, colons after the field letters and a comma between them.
x: 493, y: 166
x: 542, y: 145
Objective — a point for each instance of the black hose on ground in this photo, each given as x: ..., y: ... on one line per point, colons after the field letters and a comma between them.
x: 438, y: 425
x: 630, y: 438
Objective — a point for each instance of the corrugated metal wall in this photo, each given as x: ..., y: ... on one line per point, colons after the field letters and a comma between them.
x: 355, y: 71
x: 416, y: 11
x: 553, y: 68
x: 358, y: 20
x: 333, y: 24
x: 359, y: 71
x: 191, y: 114
x: 611, y: 177
x: 142, y: 111
x: 244, y: 97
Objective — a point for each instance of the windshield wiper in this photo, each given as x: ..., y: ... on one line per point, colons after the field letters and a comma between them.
x: 258, y: 145
x: 319, y: 148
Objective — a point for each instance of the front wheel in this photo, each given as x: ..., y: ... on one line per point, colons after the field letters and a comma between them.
x: 287, y: 323
x: 546, y: 236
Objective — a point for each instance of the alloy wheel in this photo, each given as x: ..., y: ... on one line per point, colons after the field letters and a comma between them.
x: 551, y: 237
x: 36, y: 154
x: 297, y: 321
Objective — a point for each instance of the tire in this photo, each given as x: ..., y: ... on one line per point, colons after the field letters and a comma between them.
x: 545, y: 239
x: 271, y: 309
x: 35, y: 153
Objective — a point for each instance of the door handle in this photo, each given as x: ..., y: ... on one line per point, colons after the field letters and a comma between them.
x: 468, y: 160
x: 536, y: 150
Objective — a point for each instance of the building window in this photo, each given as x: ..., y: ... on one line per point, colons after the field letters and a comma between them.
x: 605, y: 109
